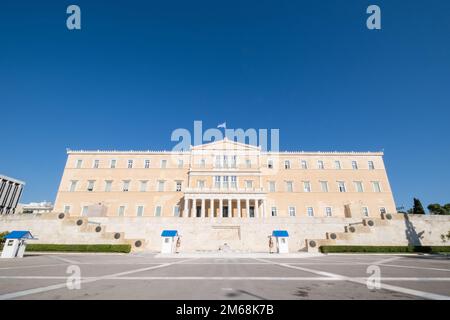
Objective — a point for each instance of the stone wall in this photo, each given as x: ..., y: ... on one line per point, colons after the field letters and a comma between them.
x: 241, y: 234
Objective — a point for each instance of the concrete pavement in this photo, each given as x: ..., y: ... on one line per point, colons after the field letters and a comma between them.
x: 150, y: 276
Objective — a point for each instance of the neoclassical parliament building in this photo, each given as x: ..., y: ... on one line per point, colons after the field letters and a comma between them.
x: 224, y: 179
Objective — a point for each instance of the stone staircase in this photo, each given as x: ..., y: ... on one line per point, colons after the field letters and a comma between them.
x: 93, y: 232
x: 352, y: 231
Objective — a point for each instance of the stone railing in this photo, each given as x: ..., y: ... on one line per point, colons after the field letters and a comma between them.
x: 224, y: 190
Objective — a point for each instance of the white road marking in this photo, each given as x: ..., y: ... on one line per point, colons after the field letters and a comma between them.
x: 366, y: 264
x: 320, y: 273
x: 18, y: 294
x: 409, y: 279
x: 414, y: 267
x: 386, y: 260
x: 333, y: 276
x: 70, y: 261
x: 35, y: 266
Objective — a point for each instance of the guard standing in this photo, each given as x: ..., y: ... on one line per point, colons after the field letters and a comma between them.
x: 178, y: 244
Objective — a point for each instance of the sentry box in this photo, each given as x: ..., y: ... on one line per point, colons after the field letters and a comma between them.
x: 168, y: 241
x: 15, y: 244
x: 282, y: 240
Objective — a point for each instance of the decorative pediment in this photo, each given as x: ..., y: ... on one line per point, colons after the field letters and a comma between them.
x: 225, y: 145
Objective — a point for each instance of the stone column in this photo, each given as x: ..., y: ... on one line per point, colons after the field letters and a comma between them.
x: 256, y: 208
x: 264, y: 203
x: 230, y: 208
x: 188, y: 208
x: 247, y: 203
x: 193, y: 209
x: 211, y: 208
x: 203, y: 208
x: 220, y: 208
x: 185, y: 208
x: 239, y: 213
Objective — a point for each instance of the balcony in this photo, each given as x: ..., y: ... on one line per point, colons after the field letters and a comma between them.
x: 225, y: 190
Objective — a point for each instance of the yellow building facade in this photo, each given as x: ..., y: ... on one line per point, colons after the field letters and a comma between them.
x: 224, y: 179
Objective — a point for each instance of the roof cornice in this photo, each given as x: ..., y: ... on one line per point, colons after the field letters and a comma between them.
x: 281, y: 153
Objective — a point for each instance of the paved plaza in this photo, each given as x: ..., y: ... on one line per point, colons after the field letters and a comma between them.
x: 265, y: 277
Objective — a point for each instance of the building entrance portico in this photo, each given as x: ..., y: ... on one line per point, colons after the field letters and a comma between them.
x: 237, y: 206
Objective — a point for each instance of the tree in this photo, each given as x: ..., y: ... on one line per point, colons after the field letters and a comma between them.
x: 447, y: 207
x: 418, y: 208
x: 436, y: 208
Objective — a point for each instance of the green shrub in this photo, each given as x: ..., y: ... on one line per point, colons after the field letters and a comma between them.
x: 123, y: 248
x: 2, y: 236
x: 384, y: 249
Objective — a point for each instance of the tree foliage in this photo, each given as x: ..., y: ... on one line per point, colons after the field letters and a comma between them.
x: 417, y: 208
x: 436, y: 208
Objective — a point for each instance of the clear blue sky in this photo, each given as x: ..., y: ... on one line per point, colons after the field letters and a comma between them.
x: 139, y: 69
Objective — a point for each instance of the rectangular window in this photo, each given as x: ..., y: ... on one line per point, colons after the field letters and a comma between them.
x: 320, y: 164
x: 66, y: 209
x: 200, y: 184
x: 143, y: 186
x: 180, y: 163
x: 371, y: 165
x: 249, y: 184
x: 337, y: 165
x: 289, y: 186
x: 178, y: 186
x: 328, y: 212
x: 310, y: 211
x: 218, y: 163
x: 324, y: 186
x: 225, y: 161
x: 73, y: 185
x: 233, y: 162
x: 161, y: 185
x: 341, y: 186
x: 270, y: 164
x: 90, y: 187
x: 79, y: 164
x: 306, y: 186
x: 126, y: 185
x: 271, y: 186
x: 108, y: 184
x: 163, y: 164
x: 96, y: 164
x: 365, y: 211
x: 225, y: 182
x: 233, y: 182
x: 376, y: 186
x: 217, y: 182
x: 287, y: 164
x: 248, y: 163
x: 84, y: 210
x: 359, y: 186
x: 130, y: 164
x: 291, y: 211
x: 304, y: 164
x: 121, y: 211
x: 147, y: 164
x: 274, y: 211
x: 176, y: 211
x: 202, y: 163
x: 158, y: 211
x: 354, y: 165
x: 139, y: 211
x: 112, y: 164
